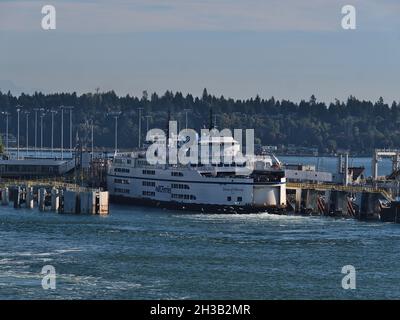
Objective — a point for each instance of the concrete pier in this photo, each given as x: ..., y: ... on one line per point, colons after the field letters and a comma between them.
x: 5, y: 197
x: 42, y: 199
x: 71, y: 202
x: 55, y: 199
x: 69, y: 199
x: 102, y: 206
x: 17, y: 197
x: 335, y: 200
x: 86, y: 202
x: 29, y: 197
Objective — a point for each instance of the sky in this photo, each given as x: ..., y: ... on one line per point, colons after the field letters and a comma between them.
x: 289, y: 49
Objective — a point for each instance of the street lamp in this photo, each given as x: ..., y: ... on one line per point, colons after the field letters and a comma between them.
x: 70, y: 108
x: 53, y: 112
x: 18, y: 111
x: 115, y: 114
x: 140, y: 126
x: 7, y: 114
x: 36, y: 123
x: 92, y: 137
x: 27, y: 131
x: 186, y: 117
x: 42, y: 114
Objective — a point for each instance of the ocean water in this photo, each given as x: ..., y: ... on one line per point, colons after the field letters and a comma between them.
x: 143, y: 253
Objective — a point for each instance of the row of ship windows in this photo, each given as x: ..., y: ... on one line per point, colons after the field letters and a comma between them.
x: 148, y: 183
x: 218, y: 164
x: 179, y: 186
x: 128, y: 161
x: 173, y: 195
x: 176, y: 174
x: 148, y: 172
x: 149, y: 193
x: 183, y: 196
x: 125, y: 170
x: 238, y: 199
x: 153, y: 184
x: 121, y: 181
x: 142, y: 162
x: 173, y: 174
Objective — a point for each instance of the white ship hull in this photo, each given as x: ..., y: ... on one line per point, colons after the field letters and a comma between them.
x: 187, y: 188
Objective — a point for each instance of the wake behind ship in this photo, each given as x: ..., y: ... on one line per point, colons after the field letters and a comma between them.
x: 213, y: 188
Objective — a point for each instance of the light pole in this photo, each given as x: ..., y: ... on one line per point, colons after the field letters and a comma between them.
x: 186, y: 117
x: 7, y: 114
x: 140, y: 126
x: 41, y: 131
x: 92, y: 141
x: 70, y: 128
x: 27, y: 131
x: 70, y: 108
x: 36, y: 112
x: 62, y: 132
x: 53, y: 112
x: 115, y: 114
x: 18, y: 111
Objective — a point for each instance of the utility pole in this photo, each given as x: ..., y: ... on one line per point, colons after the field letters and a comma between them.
x: 70, y: 128
x: 70, y: 108
x: 7, y: 114
x: 186, y: 117
x: 27, y: 131
x: 36, y: 111
x: 92, y: 141
x: 53, y: 112
x: 62, y: 132
x: 116, y: 115
x: 140, y: 126
x: 41, y: 132
x: 18, y: 111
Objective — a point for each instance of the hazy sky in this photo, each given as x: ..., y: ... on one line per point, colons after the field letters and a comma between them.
x: 237, y: 48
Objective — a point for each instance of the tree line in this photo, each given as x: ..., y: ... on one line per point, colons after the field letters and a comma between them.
x: 356, y: 125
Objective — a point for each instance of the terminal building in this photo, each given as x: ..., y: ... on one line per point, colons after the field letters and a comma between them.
x: 34, y: 168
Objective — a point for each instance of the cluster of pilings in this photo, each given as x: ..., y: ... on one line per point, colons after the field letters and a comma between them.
x: 361, y: 205
x: 85, y: 201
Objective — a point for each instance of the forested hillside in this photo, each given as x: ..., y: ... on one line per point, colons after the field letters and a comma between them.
x: 356, y: 125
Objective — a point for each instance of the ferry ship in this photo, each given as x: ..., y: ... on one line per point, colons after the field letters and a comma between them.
x: 212, y: 188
